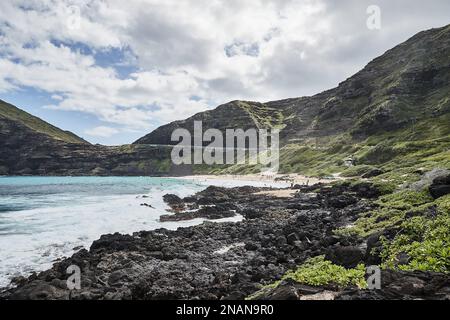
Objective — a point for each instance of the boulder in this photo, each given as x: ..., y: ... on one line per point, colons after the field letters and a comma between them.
x: 372, y: 173
x: 440, y: 186
x: 172, y: 199
x: 374, y: 247
x: 341, y: 201
x: 428, y: 179
x: 348, y: 257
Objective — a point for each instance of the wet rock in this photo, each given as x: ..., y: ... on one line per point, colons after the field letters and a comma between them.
x: 210, y: 212
x: 175, y: 203
x: 172, y: 199
x: 39, y: 290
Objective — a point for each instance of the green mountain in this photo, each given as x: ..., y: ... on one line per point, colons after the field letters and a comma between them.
x: 31, y: 146
x: 392, y: 116
x: 10, y: 113
x: 394, y: 113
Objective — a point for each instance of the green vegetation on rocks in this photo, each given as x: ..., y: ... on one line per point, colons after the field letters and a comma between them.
x: 423, y: 241
x: 391, y: 210
x: 319, y: 272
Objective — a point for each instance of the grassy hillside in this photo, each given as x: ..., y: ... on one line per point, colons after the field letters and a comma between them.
x: 10, y: 112
x: 394, y: 116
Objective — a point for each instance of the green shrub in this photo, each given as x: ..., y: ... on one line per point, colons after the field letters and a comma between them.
x: 425, y: 240
x: 318, y: 272
x: 391, y: 211
x: 379, y: 154
x: 443, y: 204
x: 385, y: 187
x: 405, y: 200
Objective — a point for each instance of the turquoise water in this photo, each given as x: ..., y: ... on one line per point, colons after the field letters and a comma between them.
x: 43, y: 219
x: 34, y: 196
x: 21, y: 193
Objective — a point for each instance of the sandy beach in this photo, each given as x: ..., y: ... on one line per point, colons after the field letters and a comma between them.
x: 274, y: 179
x: 282, y: 184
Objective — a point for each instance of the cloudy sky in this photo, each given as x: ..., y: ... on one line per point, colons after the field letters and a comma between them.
x: 113, y: 70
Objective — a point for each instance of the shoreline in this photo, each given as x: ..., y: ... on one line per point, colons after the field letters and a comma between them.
x: 286, y: 180
x: 215, y: 261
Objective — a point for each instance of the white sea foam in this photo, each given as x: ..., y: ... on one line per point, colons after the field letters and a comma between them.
x: 33, y: 239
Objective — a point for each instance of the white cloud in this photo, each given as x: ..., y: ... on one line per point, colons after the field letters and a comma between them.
x: 214, y: 50
x: 102, y: 131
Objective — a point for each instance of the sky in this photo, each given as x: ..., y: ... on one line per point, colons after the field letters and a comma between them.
x: 112, y: 71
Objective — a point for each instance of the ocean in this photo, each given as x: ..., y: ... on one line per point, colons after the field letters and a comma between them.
x: 43, y: 219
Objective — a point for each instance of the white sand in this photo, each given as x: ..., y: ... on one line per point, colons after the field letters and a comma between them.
x: 257, y: 180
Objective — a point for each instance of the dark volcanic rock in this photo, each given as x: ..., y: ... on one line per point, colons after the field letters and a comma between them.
x: 399, y: 285
x: 365, y: 190
x: 341, y: 201
x: 440, y: 186
x: 172, y: 199
x: 396, y: 285
x: 372, y: 173
x: 374, y: 247
x: 348, y: 257
x: 209, y: 212
x: 219, y: 260
x: 176, y: 204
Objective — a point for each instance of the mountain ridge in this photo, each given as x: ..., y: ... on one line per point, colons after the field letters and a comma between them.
x: 12, y: 113
x: 393, y: 116
x: 374, y: 85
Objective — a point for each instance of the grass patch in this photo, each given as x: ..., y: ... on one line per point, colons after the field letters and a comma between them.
x: 357, y: 171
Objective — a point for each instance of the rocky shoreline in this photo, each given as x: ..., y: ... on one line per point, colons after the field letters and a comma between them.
x: 235, y: 260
